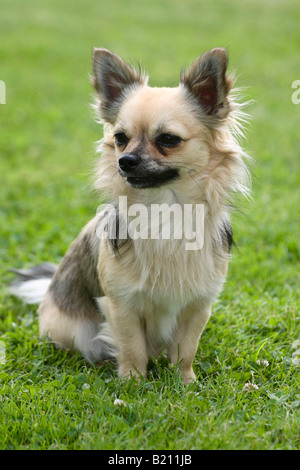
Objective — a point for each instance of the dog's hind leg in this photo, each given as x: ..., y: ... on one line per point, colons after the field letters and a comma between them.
x: 75, y: 333
x: 69, y: 314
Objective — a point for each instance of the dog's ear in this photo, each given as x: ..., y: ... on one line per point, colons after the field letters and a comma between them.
x: 112, y: 80
x: 207, y: 81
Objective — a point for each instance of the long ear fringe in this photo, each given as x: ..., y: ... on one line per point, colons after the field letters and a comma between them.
x: 228, y: 135
x: 238, y: 121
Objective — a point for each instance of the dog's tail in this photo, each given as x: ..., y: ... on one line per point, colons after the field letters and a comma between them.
x: 32, y: 284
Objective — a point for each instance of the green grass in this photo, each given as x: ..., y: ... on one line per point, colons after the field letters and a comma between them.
x: 53, y: 400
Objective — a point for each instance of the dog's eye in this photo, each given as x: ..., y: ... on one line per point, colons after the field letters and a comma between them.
x: 168, y: 140
x: 121, y: 139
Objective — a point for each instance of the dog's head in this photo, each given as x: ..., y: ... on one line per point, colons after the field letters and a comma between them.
x: 163, y: 136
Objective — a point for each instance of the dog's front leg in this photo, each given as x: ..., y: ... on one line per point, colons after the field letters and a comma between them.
x: 186, y: 338
x: 129, y: 335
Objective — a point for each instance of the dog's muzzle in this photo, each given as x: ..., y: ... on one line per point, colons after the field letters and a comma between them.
x: 128, y: 163
x: 145, y: 173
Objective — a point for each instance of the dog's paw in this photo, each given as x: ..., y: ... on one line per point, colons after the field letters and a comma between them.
x: 188, y: 376
x: 131, y: 372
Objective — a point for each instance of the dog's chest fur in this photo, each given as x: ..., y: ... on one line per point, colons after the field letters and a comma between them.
x: 166, y: 270
x: 158, y: 279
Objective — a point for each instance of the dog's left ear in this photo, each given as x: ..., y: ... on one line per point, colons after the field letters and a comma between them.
x: 207, y: 81
x: 113, y: 78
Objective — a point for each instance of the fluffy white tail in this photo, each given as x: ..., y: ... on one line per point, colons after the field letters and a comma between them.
x: 32, y: 284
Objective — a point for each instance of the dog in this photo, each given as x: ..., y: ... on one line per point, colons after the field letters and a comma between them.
x: 132, y: 298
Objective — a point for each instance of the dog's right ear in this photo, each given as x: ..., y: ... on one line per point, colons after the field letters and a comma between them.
x: 113, y: 78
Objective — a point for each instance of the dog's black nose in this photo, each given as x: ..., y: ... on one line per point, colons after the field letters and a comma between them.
x: 128, y: 162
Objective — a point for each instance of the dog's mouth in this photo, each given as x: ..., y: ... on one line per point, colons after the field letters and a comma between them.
x: 153, y: 180
x: 139, y: 182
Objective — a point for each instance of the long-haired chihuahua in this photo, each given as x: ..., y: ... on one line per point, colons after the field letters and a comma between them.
x: 133, y: 285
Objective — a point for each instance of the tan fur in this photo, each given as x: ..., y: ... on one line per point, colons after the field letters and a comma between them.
x: 55, y: 324
x: 156, y: 294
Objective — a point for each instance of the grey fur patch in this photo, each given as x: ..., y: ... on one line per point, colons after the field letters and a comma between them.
x: 43, y: 270
x: 76, y: 284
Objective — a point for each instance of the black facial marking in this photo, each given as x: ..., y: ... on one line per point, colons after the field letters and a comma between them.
x: 153, y: 179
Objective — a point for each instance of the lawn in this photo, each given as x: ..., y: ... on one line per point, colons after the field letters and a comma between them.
x: 52, y: 400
